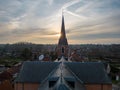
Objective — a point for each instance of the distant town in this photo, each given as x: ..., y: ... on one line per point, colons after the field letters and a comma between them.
x: 13, y: 55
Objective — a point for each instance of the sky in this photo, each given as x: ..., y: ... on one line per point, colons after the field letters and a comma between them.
x: 39, y: 21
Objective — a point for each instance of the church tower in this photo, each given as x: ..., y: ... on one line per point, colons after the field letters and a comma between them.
x: 62, y: 48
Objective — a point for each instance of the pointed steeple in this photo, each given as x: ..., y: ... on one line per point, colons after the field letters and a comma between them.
x: 63, y: 39
x: 62, y: 47
x: 63, y: 34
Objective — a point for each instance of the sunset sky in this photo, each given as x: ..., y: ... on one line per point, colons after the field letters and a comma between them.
x: 39, y: 21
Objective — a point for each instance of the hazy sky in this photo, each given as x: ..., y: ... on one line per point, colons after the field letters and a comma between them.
x: 39, y: 21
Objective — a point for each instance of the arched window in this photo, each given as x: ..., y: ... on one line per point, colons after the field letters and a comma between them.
x: 62, y: 49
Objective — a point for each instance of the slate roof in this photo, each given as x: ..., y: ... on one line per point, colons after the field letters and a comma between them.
x: 53, y: 78
x: 86, y: 72
x: 62, y: 87
x: 70, y: 79
x: 89, y: 72
x: 35, y: 71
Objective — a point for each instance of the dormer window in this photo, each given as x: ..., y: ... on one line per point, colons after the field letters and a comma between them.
x: 52, y: 81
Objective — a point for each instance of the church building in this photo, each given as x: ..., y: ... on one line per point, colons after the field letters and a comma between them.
x: 62, y: 48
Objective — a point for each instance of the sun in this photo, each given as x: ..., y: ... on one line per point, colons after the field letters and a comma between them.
x: 57, y: 35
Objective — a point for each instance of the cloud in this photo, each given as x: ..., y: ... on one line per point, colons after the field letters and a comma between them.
x: 74, y: 14
x: 70, y: 3
x: 50, y: 2
x: 39, y: 21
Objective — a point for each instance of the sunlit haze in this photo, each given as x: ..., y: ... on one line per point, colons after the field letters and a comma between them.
x: 39, y: 21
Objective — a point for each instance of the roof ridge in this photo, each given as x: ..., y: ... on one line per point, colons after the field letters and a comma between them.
x: 74, y: 75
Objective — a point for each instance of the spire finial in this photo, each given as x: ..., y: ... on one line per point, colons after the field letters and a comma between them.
x: 62, y: 11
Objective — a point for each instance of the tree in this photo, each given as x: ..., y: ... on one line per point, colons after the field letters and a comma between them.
x: 26, y: 54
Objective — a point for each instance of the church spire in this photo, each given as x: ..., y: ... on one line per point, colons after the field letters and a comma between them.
x: 63, y: 39
x: 62, y: 48
x: 63, y: 34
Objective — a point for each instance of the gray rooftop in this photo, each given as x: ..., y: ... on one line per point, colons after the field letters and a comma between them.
x: 62, y: 87
x: 85, y: 72
x: 89, y: 72
x: 35, y: 71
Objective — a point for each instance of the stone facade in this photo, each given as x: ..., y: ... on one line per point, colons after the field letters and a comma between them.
x: 62, y: 50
